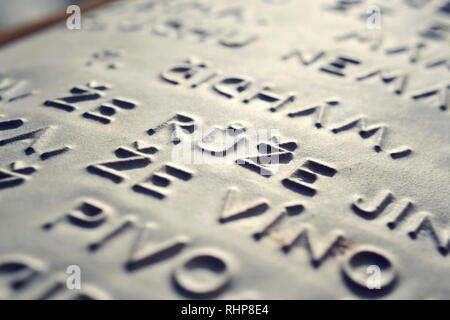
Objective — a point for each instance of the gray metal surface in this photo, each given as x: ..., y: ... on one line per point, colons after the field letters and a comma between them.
x: 370, y: 121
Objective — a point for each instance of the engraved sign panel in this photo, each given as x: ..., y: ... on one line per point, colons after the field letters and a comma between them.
x: 195, y: 149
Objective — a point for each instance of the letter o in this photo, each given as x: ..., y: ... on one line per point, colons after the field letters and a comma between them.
x: 355, y: 266
x: 215, y: 268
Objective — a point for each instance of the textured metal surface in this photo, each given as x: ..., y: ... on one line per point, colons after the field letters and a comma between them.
x: 368, y: 126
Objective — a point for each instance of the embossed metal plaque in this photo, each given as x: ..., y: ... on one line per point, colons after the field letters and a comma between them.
x: 264, y: 149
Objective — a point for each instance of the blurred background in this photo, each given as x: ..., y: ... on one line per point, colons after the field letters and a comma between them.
x: 19, y: 18
x: 17, y: 12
